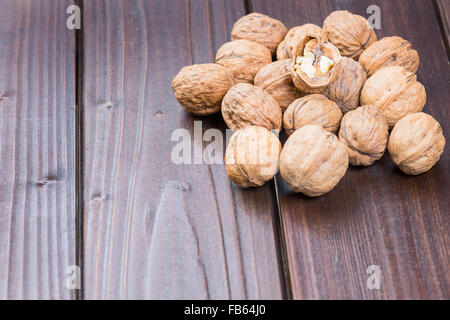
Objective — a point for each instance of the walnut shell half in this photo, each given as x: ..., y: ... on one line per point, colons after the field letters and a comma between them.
x: 200, y: 88
x: 416, y: 143
x: 313, y: 109
x: 252, y: 156
x: 295, y: 35
x: 259, y: 28
x: 395, y: 91
x: 309, y: 74
x: 387, y: 52
x: 313, y: 161
x: 349, y: 32
x: 364, y: 131
x: 275, y: 79
x: 245, y: 105
x: 345, y: 90
x: 243, y: 59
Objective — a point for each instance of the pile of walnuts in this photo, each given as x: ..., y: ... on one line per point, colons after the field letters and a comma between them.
x: 335, y: 90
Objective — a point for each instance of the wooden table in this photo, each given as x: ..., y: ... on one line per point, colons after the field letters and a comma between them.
x: 86, y: 177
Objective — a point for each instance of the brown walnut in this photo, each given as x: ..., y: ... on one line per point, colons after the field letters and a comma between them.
x: 315, y: 64
x: 313, y: 161
x: 295, y: 35
x: 345, y: 90
x: 313, y: 109
x: 243, y: 59
x: 395, y: 91
x: 259, y: 28
x: 350, y: 33
x: 200, y: 88
x: 416, y: 143
x: 252, y: 156
x: 245, y: 105
x: 275, y: 79
x: 364, y: 132
x: 388, y: 52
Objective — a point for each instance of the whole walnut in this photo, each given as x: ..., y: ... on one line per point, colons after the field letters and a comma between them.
x: 252, y: 156
x: 349, y: 32
x: 200, y: 88
x: 243, y: 59
x: 387, y: 52
x: 416, y: 143
x: 295, y: 35
x: 395, y: 91
x: 345, y: 90
x: 275, y: 79
x: 313, y: 109
x: 245, y: 105
x: 315, y: 64
x: 364, y: 131
x: 313, y: 161
x: 259, y: 28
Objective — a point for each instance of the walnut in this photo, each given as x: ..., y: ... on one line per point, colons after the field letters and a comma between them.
x: 243, y: 59
x: 259, y: 28
x: 200, y: 88
x: 275, y: 79
x: 315, y: 64
x: 387, y: 52
x: 252, y: 156
x: 345, y: 90
x: 295, y: 35
x: 350, y: 33
x: 364, y: 131
x: 395, y: 91
x: 245, y: 105
x: 416, y: 143
x: 313, y: 161
x: 313, y: 109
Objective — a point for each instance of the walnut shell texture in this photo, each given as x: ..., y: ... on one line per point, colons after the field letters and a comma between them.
x: 313, y: 109
x: 345, y: 90
x: 364, y: 132
x: 313, y: 161
x: 252, y: 156
x: 395, y: 91
x: 200, y: 88
x: 259, y: 28
x: 295, y: 35
x: 243, y: 59
x: 275, y: 79
x: 350, y: 33
x: 245, y: 105
x: 387, y: 52
x: 305, y: 83
x: 416, y: 143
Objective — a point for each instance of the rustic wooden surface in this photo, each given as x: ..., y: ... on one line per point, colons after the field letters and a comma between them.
x: 154, y: 229
x: 37, y: 123
x: 377, y: 215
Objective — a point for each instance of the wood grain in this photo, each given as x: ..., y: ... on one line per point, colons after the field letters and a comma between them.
x: 37, y: 109
x: 154, y: 229
x: 443, y: 8
x: 377, y: 215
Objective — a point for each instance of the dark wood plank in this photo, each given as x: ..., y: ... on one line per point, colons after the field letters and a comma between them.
x: 154, y: 229
x: 377, y: 215
x: 443, y: 8
x: 37, y: 126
